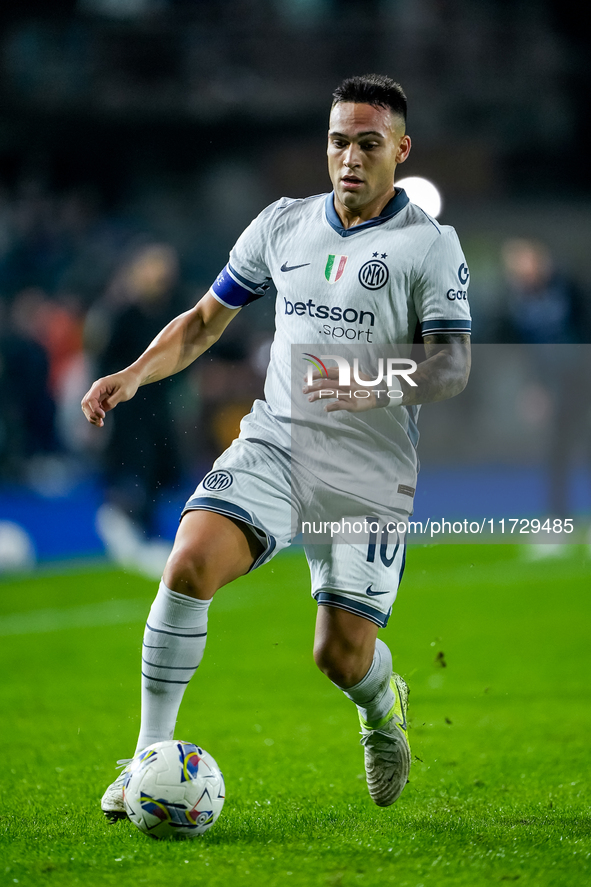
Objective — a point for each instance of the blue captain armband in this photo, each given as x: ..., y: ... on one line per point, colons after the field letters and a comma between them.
x: 235, y: 291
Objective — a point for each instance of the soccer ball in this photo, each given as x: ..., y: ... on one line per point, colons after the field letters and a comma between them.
x: 173, y: 789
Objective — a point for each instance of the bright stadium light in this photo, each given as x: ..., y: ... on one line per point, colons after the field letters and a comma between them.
x: 422, y: 192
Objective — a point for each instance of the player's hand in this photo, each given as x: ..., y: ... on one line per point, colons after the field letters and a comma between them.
x: 106, y: 393
x: 345, y: 395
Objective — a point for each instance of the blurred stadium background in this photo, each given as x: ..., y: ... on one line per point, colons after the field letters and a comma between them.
x: 139, y: 137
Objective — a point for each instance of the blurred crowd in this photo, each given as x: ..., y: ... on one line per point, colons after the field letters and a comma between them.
x: 82, y: 293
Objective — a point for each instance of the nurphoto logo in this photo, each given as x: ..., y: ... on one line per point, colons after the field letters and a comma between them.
x: 395, y: 367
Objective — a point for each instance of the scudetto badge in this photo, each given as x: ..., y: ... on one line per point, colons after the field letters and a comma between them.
x: 373, y: 275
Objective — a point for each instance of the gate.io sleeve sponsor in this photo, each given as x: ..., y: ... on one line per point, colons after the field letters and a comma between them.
x: 440, y: 290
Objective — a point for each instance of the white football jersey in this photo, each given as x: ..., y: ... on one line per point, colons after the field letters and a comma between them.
x: 385, y: 282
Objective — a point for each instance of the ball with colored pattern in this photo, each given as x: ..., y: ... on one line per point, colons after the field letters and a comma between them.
x: 173, y: 789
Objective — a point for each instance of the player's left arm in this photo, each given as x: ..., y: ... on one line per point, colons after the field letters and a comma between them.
x: 443, y: 374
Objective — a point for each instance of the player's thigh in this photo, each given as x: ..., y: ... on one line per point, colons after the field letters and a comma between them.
x: 210, y: 550
x: 250, y: 483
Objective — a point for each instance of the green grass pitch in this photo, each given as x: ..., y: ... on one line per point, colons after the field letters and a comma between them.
x: 499, y: 789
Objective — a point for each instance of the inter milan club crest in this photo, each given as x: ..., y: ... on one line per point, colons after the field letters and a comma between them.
x: 217, y: 481
x: 335, y: 267
x: 373, y: 275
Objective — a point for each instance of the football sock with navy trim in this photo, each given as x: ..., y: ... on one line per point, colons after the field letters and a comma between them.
x: 174, y: 642
x: 373, y: 695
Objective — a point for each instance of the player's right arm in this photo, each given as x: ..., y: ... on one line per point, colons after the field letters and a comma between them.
x: 181, y: 342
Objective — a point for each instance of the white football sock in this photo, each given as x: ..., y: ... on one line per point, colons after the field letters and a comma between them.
x: 174, y: 641
x: 373, y: 695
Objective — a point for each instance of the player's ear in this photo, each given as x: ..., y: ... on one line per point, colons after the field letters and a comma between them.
x: 403, y: 149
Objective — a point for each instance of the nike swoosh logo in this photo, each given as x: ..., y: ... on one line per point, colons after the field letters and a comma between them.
x: 372, y: 593
x: 286, y: 267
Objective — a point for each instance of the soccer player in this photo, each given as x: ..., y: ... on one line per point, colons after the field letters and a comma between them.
x: 360, y: 263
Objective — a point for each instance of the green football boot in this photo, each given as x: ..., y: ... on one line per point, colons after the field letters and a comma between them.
x: 387, y: 752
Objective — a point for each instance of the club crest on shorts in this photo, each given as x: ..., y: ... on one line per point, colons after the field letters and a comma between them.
x: 335, y: 267
x: 216, y: 481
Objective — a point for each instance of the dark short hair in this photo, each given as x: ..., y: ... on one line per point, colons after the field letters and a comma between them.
x: 372, y: 89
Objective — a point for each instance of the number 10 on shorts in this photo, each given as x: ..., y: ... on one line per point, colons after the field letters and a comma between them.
x: 385, y: 549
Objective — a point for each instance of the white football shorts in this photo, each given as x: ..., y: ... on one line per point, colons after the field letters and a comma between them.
x: 252, y: 482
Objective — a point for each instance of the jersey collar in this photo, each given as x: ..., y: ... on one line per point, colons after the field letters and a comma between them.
x: 393, y: 207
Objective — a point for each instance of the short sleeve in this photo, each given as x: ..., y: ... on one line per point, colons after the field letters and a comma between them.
x: 440, y: 291
x: 246, y: 277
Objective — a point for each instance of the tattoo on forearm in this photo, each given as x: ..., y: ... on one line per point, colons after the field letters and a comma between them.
x: 445, y: 371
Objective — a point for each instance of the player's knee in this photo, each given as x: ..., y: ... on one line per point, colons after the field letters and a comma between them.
x: 340, y: 663
x: 190, y: 572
